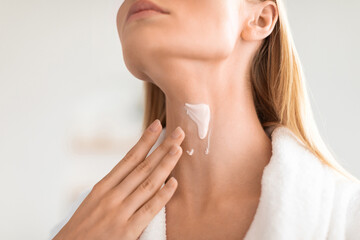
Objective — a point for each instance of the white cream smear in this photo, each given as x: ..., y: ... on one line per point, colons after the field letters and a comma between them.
x: 190, y: 152
x: 200, y: 114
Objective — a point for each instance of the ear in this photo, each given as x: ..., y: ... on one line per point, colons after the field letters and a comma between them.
x: 261, y: 21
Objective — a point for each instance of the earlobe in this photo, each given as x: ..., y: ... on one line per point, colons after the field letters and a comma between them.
x: 261, y: 23
x: 248, y: 30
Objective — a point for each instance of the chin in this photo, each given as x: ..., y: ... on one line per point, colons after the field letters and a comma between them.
x: 139, y: 55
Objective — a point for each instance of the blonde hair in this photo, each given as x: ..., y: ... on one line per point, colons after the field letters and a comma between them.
x: 279, y: 93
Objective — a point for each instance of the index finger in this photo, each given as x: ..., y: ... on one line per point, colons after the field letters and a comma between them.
x: 136, y: 155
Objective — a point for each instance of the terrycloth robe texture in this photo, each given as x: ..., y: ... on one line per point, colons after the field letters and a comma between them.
x: 301, y: 198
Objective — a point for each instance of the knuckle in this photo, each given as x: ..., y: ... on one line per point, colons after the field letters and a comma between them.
x: 147, y: 185
x: 120, y: 219
x: 163, y: 195
x: 148, y: 208
x: 164, y: 147
x: 97, y: 189
x: 104, y: 181
x: 108, y: 201
x: 130, y: 155
x: 144, y: 166
x: 122, y: 215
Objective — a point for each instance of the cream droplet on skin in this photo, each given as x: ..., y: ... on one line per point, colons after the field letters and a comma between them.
x: 200, y: 114
x: 190, y: 152
x: 208, y: 144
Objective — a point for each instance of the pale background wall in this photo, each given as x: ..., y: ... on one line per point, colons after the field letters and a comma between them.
x: 63, y: 80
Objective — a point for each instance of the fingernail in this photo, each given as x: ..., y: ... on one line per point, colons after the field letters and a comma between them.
x: 155, y: 125
x: 176, y: 133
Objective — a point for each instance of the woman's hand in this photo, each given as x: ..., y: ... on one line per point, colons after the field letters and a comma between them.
x: 122, y: 204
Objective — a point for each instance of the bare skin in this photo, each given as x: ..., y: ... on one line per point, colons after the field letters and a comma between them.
x: 201, y: 52
x: 224, y: 220
x: 123, y: 203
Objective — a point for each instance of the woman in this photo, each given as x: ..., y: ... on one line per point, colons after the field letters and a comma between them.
x: 245, y: 160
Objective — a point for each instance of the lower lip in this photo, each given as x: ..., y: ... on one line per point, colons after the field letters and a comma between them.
x: 142, y: 14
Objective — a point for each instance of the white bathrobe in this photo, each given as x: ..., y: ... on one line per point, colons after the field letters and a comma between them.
x: 301, y: 198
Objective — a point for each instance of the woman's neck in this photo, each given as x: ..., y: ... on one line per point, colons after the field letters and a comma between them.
x: 239, y: 148
x: 229, y: 161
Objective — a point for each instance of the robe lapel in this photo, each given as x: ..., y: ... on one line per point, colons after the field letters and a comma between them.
x: 297, y: 193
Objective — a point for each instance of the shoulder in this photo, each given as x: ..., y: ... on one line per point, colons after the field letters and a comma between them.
x: 353, y: 214
x: 350, y: 190
x: 338, y: 196
x: 345, y: 211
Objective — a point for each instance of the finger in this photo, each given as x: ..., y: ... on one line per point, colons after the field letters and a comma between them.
x: 132, y: 159
x: 143, y: 170
x: 149, y: 210
x: 152, y: 184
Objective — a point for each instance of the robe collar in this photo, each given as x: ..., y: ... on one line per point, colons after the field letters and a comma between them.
x: 296, y: 193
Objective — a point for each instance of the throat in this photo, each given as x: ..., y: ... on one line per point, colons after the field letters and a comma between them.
x: 229, y: 219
